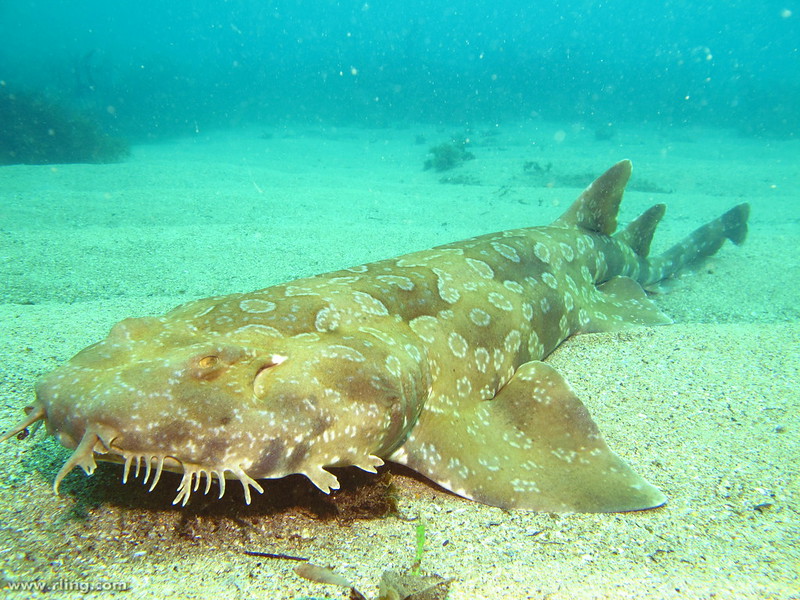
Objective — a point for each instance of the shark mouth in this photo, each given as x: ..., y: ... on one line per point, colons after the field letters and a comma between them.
x: 96, y: 441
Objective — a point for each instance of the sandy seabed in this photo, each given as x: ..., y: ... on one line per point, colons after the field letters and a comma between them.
x: 706, y: 409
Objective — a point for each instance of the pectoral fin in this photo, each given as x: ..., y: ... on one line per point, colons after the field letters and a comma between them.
x: 533, y: 446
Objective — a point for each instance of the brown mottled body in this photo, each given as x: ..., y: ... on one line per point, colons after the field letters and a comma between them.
x: 432, y: 359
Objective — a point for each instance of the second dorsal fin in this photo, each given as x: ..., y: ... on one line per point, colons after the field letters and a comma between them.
x: 639, y: 232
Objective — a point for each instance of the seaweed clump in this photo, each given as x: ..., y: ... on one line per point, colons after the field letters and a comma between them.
x: 410, y: 584
x: 447, y: 156
x: 37, y: 131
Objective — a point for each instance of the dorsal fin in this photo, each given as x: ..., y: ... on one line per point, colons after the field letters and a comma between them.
x: 596, y: 208
x: 639, y: 232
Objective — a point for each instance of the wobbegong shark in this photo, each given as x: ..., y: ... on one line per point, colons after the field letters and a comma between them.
x: 433, y: 360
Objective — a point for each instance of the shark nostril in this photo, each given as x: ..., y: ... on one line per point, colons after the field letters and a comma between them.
x: 260, y: 382
x: 261, y: 379
x: 273, y: 361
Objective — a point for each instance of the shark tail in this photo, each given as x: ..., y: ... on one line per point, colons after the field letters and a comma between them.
x: 734, y: 223
x: 700, y: 244
x: 596, y: 211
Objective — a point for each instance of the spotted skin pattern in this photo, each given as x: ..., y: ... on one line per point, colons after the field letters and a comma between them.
x: 433, y: 360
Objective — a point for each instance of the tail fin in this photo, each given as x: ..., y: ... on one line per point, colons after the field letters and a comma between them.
x: 701, y: 243
x: 597, y: 207
x: 734, y: 223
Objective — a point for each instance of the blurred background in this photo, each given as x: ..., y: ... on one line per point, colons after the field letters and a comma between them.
x: 149, y: 68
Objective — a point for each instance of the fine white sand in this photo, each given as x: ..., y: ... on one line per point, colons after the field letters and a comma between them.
x: 706, y: 409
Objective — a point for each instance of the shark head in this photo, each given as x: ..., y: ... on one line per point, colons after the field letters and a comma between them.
x: 241, y: 405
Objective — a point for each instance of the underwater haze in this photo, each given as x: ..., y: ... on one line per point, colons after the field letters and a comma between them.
x: 177, y: 66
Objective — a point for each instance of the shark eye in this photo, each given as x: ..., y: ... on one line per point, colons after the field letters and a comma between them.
x: 208, y: 362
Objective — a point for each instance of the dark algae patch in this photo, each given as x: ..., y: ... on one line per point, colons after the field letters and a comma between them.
x: 35, y: 130
x: 447, y: 156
